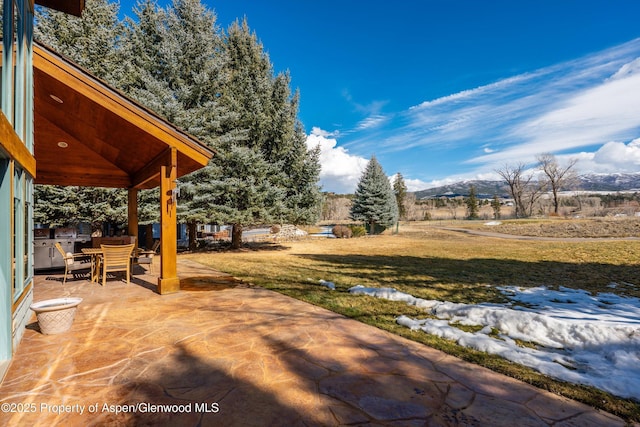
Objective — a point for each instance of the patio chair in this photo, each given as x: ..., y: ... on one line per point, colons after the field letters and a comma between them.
x: 146, y: 256
x: 75, y: 264
x: 116, y: 258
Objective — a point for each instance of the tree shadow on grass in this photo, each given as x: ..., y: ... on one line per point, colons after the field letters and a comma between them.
x: 430, y: 272
x: 246, y: 246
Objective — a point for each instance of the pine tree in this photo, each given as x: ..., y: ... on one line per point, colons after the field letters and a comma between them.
x: 174, y: 60
x: 221, y: 88
x: 62, y: 206
x: 400, y: 191
x: 263, y: 120
x: 173, y: 63
x: 374, y: 201
x: 303, y: 198
x: 92, y: 40
x: 472, y: 204
x: 495, y: 205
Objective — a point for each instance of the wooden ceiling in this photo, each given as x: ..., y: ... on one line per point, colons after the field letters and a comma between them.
x: 88, y: 134
x: 72, y: 7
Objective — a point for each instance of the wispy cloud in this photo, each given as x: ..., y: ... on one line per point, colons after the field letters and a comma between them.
x: 590, y: 103
x: 371, y: 122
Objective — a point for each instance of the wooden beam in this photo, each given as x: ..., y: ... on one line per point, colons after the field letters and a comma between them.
x: 82, y: 180
x: 11, y: 143
x: 132, y: 213
x: 168, y: 281
x: 152, y: 170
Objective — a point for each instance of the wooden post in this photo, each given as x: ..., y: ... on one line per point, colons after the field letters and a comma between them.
x: 168, y: 281
x: 148, y: 244
x: 132, y: 214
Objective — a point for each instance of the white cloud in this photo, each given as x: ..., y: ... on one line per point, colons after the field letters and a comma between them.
x: 621, y: 155
x: 564, y: 109
x: 323, y: 133
x: 473, y: 93
x: 371, y: 122
x: 417, y: 185
x: 627, y: 69
x: 340, y: 170
x: 586, y: 118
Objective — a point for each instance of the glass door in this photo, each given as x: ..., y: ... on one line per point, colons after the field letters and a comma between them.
x: 6, y: 257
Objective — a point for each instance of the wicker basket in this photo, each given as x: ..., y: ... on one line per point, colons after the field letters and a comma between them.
x: 55, y: 315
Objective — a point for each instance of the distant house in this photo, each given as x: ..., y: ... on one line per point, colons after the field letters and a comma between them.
x: 60, y: 125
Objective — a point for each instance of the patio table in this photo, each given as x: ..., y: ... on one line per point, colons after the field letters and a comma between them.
x: 96, y: 256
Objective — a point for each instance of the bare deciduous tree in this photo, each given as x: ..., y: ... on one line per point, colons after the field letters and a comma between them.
x: 523, y: 188
x: 557, y: 177
x: 336, y: 208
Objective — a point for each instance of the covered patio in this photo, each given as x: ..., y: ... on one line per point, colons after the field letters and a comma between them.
x: 88, y: 134
x: 223, y: 352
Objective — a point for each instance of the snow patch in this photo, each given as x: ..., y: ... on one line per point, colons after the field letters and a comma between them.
x: 573, y: 335
x: 329, y: 285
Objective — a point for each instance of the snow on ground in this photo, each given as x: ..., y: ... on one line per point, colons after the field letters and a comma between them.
x: 324, y: 283
x: 329, y: 285
x: 579, y: 337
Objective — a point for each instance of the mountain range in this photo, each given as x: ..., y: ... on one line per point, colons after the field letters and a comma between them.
x: 587, y: 182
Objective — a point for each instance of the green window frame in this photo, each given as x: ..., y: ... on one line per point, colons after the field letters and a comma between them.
x: 18, y: 235
x: 16, y: 101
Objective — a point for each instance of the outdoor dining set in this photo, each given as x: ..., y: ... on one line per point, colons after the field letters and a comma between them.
x: 112, y: 258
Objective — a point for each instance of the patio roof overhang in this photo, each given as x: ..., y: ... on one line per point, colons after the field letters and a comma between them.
x: 89, y: 134
x: 72, y: 7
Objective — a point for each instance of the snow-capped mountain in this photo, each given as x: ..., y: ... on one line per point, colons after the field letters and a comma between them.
x: 587, y: 182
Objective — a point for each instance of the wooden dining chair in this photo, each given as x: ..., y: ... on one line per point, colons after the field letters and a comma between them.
x: 116, y: 258
x: 146, y: 256
x: 74, y: 263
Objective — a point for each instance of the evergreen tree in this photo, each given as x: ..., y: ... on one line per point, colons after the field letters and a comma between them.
x: 92, y: 40
x: 174, y: 59
x: 221, y: 88
x: 173, y: 63
x: 472, y: 204
x: 263, y: 120
x: 374, y: 201
x: 54, y: 205
x: 303, y: 198
x: 244, y: 193
x: 63, y: 206
x: 495, y: 205
x: 400, y: 191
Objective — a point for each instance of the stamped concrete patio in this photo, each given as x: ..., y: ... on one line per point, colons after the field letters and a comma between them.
x: 220, y: 352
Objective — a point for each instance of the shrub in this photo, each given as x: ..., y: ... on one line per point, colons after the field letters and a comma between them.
x: 342, y: 231
x: 378, y: 228
x: 275, y: 229
x: 358, y: 230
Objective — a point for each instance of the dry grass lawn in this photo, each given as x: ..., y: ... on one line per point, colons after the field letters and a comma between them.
x: 432, y: 263
x: 562, y: 227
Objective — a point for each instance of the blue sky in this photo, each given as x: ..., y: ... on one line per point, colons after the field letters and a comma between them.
x: 445, y: 90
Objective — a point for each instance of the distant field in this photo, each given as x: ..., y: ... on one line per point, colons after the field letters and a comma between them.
x: 560, y: 227
x: 428, y: 262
